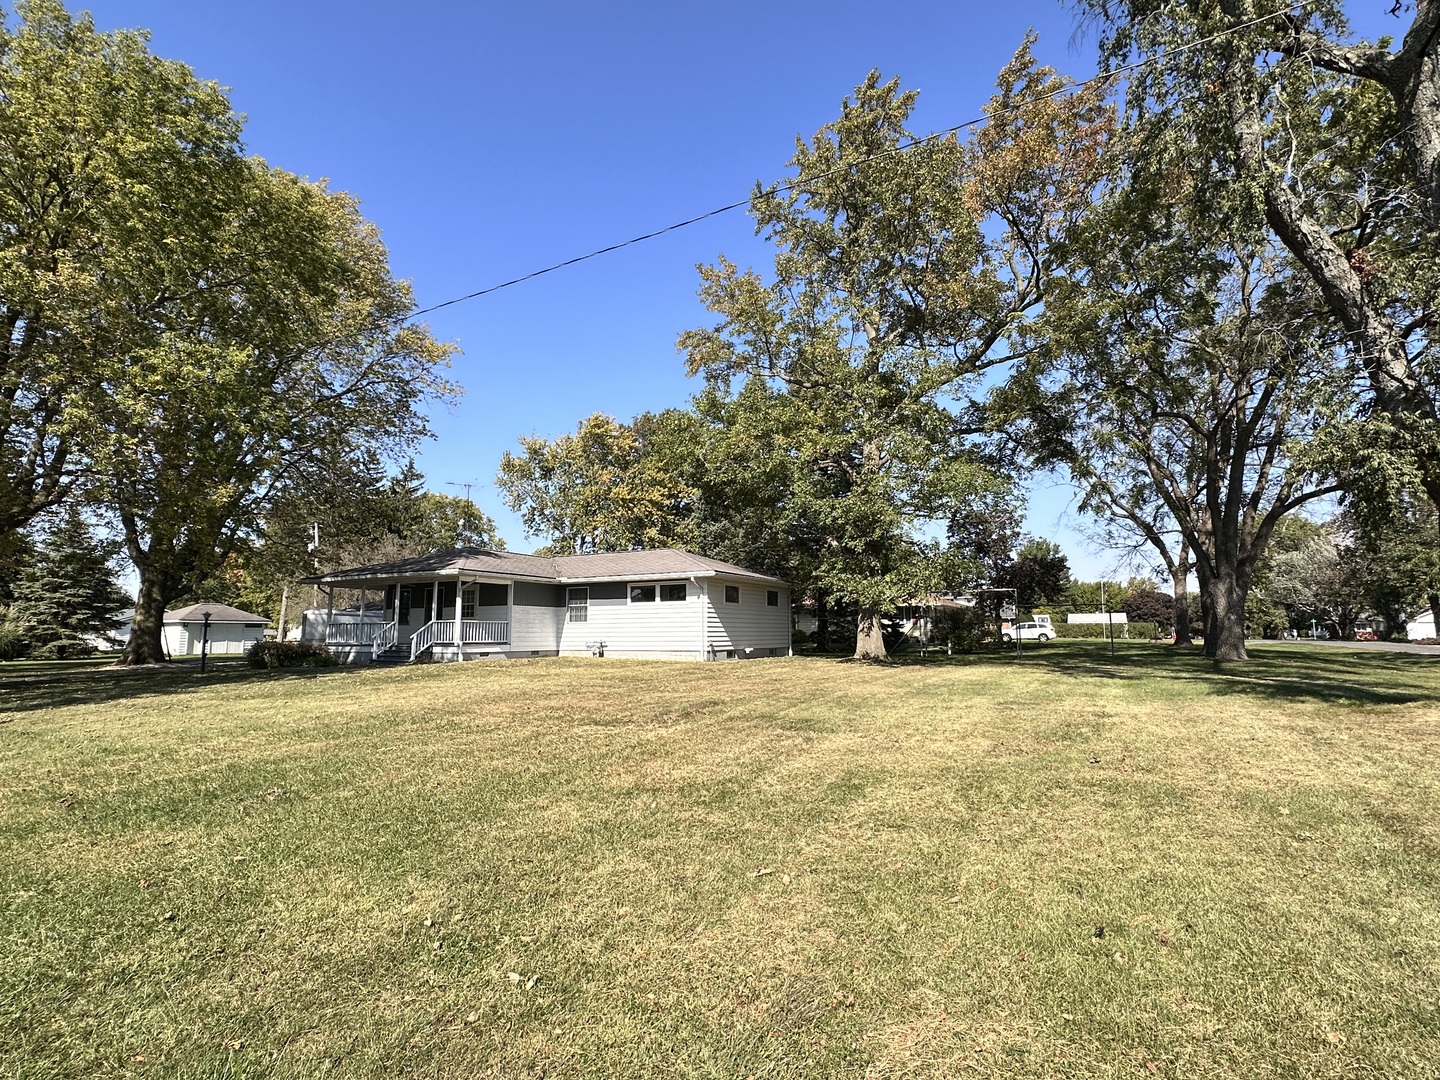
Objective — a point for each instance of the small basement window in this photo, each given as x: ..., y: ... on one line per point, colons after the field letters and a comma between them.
x: 732, y: 594
x: 672, y: 592
x: 642, y: 594
x: 772, y: 598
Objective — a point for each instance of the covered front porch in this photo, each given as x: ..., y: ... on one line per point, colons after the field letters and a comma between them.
x: 411, y: 620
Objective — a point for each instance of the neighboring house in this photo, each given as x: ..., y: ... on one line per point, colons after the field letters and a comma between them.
x: 1422, y: 626
x: 231, y: 630
x: 117, y: 638
x: 659, y: 604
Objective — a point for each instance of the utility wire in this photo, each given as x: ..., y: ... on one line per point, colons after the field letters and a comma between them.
x: 795, y: 185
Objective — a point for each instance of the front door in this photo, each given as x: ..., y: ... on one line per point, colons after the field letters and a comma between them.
x: 413, y: 611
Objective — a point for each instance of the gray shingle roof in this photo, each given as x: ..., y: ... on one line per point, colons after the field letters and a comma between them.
x: 218, y: 613
x: 603, y: 566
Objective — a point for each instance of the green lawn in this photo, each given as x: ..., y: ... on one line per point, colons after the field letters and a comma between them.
x: 774, y: 869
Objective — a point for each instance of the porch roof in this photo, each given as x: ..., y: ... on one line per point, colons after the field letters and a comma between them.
x: 560, y: 569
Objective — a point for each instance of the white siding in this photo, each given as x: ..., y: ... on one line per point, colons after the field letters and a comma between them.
x: 667, y: 629
x: 535, y: 629
x: 225, y: 638
x: 751, y: 624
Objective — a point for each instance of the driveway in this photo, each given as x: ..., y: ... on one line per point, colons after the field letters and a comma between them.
x: 1370, y: 646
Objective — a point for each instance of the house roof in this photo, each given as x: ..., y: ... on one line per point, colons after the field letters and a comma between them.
x: 603, y: 566
x: 219, y: 613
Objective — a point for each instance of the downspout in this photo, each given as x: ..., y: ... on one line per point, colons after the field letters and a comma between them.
x: 704, y: 617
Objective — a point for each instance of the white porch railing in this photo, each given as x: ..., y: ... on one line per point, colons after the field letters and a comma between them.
x: 472, y: 632
x: 352, y: 633
x: 385, y: 635
x: 484, y: 632
x: 422, y: 639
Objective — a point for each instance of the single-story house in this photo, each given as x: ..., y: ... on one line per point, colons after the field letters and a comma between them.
x: 1422, y: 626
x: 231, y: 630
x: 475, y: 603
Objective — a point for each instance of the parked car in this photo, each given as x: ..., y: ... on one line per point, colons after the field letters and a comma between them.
x: 1028, y: 631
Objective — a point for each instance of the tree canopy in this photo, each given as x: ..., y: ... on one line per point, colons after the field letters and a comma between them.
x: 191, y: 330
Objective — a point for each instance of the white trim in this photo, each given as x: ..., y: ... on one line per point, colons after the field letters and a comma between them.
x: 704, y: 587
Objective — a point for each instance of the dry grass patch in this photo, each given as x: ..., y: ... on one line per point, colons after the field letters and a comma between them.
x: 1068, y: 867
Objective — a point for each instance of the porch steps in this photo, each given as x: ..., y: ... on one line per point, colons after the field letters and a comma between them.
x: 393, y: 656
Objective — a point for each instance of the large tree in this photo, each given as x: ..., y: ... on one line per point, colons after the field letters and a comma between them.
x: 105, y: 151
x: 1332, y: 145
x: 899, y: 277
x: 191, y: 328
x: 1184, y: 350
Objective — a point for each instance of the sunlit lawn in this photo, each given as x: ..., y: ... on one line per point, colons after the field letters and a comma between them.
x: 1069, y: 866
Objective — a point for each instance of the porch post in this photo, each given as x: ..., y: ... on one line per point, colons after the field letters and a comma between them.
x: 364, y: 615
x: 329, y: 611
x: 510, y: 616
x: 459, y: 626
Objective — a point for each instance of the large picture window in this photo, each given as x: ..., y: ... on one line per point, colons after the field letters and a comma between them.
x: 578, y: 603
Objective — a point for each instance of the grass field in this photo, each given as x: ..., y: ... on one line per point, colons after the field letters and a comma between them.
x: 1066, y: 867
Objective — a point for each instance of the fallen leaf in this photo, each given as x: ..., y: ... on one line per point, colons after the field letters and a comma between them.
x: 762, y: 872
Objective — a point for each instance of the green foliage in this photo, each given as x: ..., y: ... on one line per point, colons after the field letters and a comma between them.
x: 1100, y: 630
x: 962, y: 630
x: 13, y: 643
x: 1149, y: 605
x: 608, y: 487
x: 896, y: 283
x: 1040, y: 574
x: 201, y: 330
x: 289, y: 654
x: 68, y: 592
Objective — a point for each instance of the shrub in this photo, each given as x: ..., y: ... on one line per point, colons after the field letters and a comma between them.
x: 13, y: 643
x: 962, y: 629
x: 1135, y: 631
x: 285, y: 654
x: 63, y: 649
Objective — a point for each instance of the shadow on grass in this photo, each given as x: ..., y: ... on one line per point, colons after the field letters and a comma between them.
x: 1276, y: 672
x: 31, y: 690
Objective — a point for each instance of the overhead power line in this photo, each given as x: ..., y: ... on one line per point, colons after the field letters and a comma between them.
x: 793, y: 185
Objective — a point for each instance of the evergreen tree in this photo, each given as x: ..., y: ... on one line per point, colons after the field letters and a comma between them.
x: 68, y: 593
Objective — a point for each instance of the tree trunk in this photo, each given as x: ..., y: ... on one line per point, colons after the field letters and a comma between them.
x: 822, y: 623
x: 869, y: 636
x: 1434, y: 599
x: 146, y: 644
x: 1182, y: 605
x: 1225, y: 614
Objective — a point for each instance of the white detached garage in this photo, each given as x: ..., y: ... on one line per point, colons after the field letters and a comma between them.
x: 231, y: 630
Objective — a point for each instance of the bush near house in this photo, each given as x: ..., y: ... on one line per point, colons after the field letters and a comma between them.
x: 285, y: 654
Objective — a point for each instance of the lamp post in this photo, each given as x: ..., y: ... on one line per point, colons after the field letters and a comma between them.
x: 204, y: 640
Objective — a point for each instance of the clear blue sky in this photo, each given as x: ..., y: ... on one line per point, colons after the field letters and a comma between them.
x: 489, y: 140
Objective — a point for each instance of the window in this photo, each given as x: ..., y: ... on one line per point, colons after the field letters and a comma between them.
x: 578, y: 601
x: 772, y: 598
x: 732, y: 594
x: 642, y: 594
x: 673, y: 592
x: 467, y: 604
